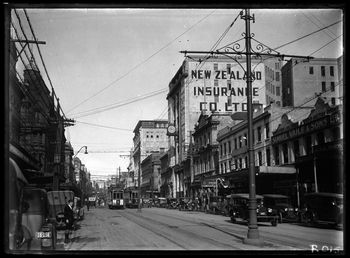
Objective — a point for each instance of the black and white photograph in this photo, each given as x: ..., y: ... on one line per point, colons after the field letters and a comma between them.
x: 173, y: 128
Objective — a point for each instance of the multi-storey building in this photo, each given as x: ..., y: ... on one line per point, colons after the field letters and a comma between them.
x: 149, y: 136
x: 205, y: 154
x: 234, y: 164
x: 216, y: 84
x: 151, y: 175
x: 314, y: 146
x: 302, y: 80
x: 166, y: 185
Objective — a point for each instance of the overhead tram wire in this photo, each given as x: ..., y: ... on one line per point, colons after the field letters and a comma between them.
x: 104, y: 126
x: 93, y: 111
x: 138, y: 65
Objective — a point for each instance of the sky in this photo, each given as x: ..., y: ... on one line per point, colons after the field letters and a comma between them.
x: 99, y: 58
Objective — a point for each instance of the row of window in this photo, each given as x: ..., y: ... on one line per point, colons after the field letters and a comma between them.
x: 271, y: 88
x: 324, y: 87
x: 272, y: 74
x: 242, y: 140
x: 323, y: 70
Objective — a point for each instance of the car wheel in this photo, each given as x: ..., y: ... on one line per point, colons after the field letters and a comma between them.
x: 274, y: 222
x: 280, y: 217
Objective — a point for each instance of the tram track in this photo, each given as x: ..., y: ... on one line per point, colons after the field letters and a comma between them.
x: 163, y: 227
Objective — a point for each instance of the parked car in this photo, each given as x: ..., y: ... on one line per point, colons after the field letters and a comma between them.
x: 172, y: 203
x: 146, y: 202
x: 78, y: 209
x: 282, y: 204
x: 162, y: 202
x: 238, y: 209
x: 29, y: 224
x: 35, y: 220
x: 320, y: 208
x: 57, y: 201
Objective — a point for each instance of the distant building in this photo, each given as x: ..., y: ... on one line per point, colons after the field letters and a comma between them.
x: 149, y: 136
x: 151, y: 175
x: 301, y: 80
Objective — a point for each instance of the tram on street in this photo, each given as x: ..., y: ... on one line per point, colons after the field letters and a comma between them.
x: 115, y: 197
x: 131, y: 198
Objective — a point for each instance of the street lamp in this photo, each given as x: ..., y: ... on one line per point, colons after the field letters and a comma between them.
x: 80, y: 150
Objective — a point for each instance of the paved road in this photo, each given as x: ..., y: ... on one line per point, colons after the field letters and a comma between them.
x: 164, y: 229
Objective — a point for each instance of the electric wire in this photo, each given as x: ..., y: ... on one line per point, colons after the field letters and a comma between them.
x: 104, y: 126
x: 139, y: 64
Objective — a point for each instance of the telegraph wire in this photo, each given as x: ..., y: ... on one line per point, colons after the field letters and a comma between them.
x: 104, y: 126
x: 317, y: 25
x: 139, y: 64
x: 307, y: 35
x: 326, y: 44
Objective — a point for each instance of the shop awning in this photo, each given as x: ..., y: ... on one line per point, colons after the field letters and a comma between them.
x: 276, y: 170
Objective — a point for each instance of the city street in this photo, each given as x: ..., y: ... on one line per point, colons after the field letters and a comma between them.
x: 165, y: 229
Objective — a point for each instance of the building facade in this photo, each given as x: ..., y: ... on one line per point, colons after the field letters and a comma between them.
x: 302, y: 80
x: 149, y: 136
x: 271, y: 174
x: 205, y: 154
x: 151, y: 175
x: 314, y: 146
x: 214, y: 85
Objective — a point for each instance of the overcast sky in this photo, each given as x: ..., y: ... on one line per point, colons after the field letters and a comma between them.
x: 101, y: 57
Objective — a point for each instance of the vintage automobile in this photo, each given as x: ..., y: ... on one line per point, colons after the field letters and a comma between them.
x: 78, y: 209
x: 172, y: 203
x: 323, y: 208
x: 147, y: 202
x: 238, y: 209
x: 29, y: 224
x: 57, y: 202
x: 162, y: 202
x: 282, y: 204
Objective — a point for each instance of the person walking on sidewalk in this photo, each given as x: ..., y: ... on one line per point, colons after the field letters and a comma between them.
x: 69, y: 218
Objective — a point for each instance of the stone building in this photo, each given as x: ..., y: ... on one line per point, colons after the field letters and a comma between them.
x: 214, y: 85
x: 149, y: 136
x: 302, y: 80
x: 166, y: 185
x: 314, y: 146
x: 151, y: 175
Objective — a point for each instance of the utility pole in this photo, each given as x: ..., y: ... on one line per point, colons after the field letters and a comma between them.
x: 233, y: 51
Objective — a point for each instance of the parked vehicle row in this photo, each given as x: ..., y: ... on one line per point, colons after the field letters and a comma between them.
x: 317, y: 208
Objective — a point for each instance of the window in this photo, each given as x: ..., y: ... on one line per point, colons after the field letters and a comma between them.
x: 216, y: 66
x: 253, y: 136
x: 323, y: 71
x: 278, y: 92
x: 224, y: 168
x: 285, y: 153
x: 311, y: 70
x: 268, y: 157
x: 228, y: 67
x: 320, y: 138
x: 308, y: 144
x: 331, y: 71
x: 229, y: 147
x: 267, y: 130
x: 221, y: 150
x: 260, y: 158
x: 246, y: 161
x: 332, y: 86
x: 277, y: 76
x: 229, y: 86
x: 245, y: 140
x: 240, y: 141
x: 323, y: 86
x: 235, y: 140
x: 296, y: 148
x: 333, y: 101
x: 240, y: 162
x: 225, y: 148
x: 259, y: 134
x: 336, y: 133
x: 236, y: 164
x: 277, y: 155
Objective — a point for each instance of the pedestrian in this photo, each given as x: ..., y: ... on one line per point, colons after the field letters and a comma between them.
x: 69, y: 218
x: 88, y: 205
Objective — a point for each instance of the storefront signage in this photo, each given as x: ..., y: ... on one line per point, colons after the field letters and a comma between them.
x: 209, y: 183
x: 302, y: 130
